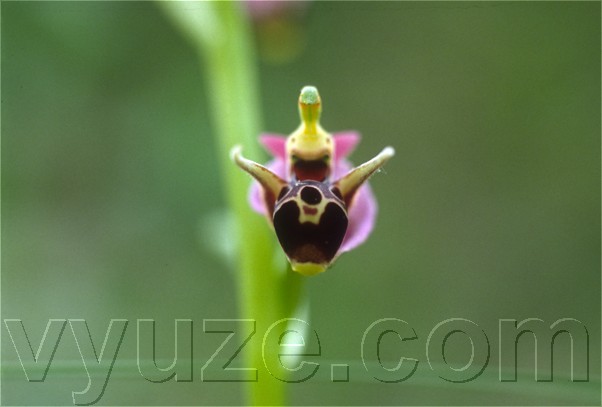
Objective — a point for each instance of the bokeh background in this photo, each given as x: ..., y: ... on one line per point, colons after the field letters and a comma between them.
x: 112, y: 205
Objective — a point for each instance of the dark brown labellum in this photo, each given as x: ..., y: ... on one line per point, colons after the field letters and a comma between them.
x: 310, y: 222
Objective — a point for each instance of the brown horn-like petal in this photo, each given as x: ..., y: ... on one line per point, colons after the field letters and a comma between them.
x: 271, y: 183
x: 350, y: 183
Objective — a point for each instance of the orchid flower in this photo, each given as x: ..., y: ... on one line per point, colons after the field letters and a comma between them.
x: 263, y: 9
x: 280, y: 28
x: 319, y: 205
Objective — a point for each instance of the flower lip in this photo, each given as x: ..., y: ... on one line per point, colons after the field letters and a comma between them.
x: 315, y: 236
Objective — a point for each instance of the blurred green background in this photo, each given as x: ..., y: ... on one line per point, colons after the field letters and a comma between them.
x: 489, y: 210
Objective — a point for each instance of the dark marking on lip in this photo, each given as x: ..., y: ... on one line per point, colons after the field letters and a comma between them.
x: 309, y: 242
x: 309, y: 210
x: 311, y: 195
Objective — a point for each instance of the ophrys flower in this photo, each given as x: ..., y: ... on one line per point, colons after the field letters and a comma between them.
x: 319, y: 205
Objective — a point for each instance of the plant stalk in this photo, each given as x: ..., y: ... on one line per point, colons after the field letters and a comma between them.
x: 267, y: 290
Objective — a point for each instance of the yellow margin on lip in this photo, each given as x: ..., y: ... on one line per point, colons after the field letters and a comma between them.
x: 308, y: 269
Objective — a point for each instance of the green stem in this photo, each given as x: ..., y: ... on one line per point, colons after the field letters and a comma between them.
x: 267, y: 291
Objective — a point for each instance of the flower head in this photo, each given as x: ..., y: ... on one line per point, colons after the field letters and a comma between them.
x: 320, y: 206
